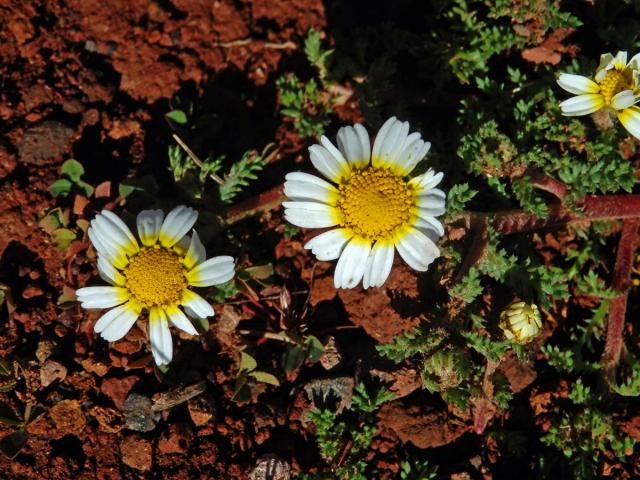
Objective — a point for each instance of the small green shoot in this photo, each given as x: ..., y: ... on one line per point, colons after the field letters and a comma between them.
x: 72, y: 171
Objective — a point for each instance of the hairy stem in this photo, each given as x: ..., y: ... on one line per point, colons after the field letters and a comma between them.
x: 627, y: 246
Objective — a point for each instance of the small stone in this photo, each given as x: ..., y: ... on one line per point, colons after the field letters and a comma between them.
x: 323, y: 390
x: 271, y: 467
x: 138, y: 414
x: 7, y: 162
x: 117, y: 389
x: 68, y: 417
x: 45, y: 141
x: 93, y: 366
x: 137, y: 453
x: 109, y: 419
x: 32, y: 291
x: 45, y: 349
x: 331, y: 358
x: 176, y: 440
x: 52, y: 371
x: 201, y: 409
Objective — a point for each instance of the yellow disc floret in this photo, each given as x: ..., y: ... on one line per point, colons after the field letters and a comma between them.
x: 373, y: 202
x: 155, y: 277
x: 614, y: 82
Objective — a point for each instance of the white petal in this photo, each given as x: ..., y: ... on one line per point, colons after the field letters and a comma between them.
x: 117, y: 322
x: 328, y: 245
x: 354, y: 144
x: 112, y: 234
x: 149, y: 223
x: 634, y: 63
x: 191, y: 313
x: 118, y: 257
x: 431, y: 227
x: 380, y: 137
x: 180, y: 320
x: 606, y: 63
x: 109, y: 273
x: 116, y: 220
x: 214, y: 271
x: 623, y: 100
x: 577, y: 84
x: 182, y: 246
x: 178, y: 222
x: 302, y: 186
x: 352, y: 263
x: 196, y: 253
x: 630, y: 118
x: 196, y: 304
x: 430, y: 207
x: 582, y: 104
x: 386, y: 151
x: 379, y: 265
x: 427, y: 180
x: 411, y: 155
x: 331, y: 167
x: 432, y: 204
x: 310, y: 214
x: 416, y: 249
x: 160, y: 336
x: 621, y: 60
x: 101, y: 297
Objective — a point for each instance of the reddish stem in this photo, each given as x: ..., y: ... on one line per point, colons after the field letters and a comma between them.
x: 268, y: 200
x: 548, y: 184
x: 627, y: 246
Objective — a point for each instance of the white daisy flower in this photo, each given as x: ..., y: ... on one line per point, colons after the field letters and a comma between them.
x: 371, y: 202
x: 154, y: 276
x: 615, y: 88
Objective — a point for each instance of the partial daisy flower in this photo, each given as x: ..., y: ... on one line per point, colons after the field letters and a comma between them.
x: 616, y: 89
x: 371, y: 202
x: 153, y: 275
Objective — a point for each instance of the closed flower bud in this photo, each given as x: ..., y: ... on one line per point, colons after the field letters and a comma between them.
x: 521, y: 322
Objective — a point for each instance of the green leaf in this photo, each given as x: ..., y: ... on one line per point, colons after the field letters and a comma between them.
x: 73, y: 169
x: 6, y: 367
x: 50, y: 222
x: 291, y: 112
x: 264, y: 377
x: 63, y: 237
x: 60, y: 188
x: 85, y: 187
x: 13, y: 443
x: 241, y: 391
x: 201, y: 324
x: 32, y: 414
x: 260, y: 272
x: 247, y: 362
x: 315, y: 349
x: 292, y: 358
x: 8, y: 416
x: 145, y: 184
x: 177, y: 116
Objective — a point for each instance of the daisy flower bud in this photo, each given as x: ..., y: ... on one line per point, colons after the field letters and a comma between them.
x: 371, y: 202
x: 521, y: 322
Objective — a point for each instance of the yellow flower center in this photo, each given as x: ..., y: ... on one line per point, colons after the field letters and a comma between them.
x: 155, y: 277
x: 613, y: 83
x: 373, y: 202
